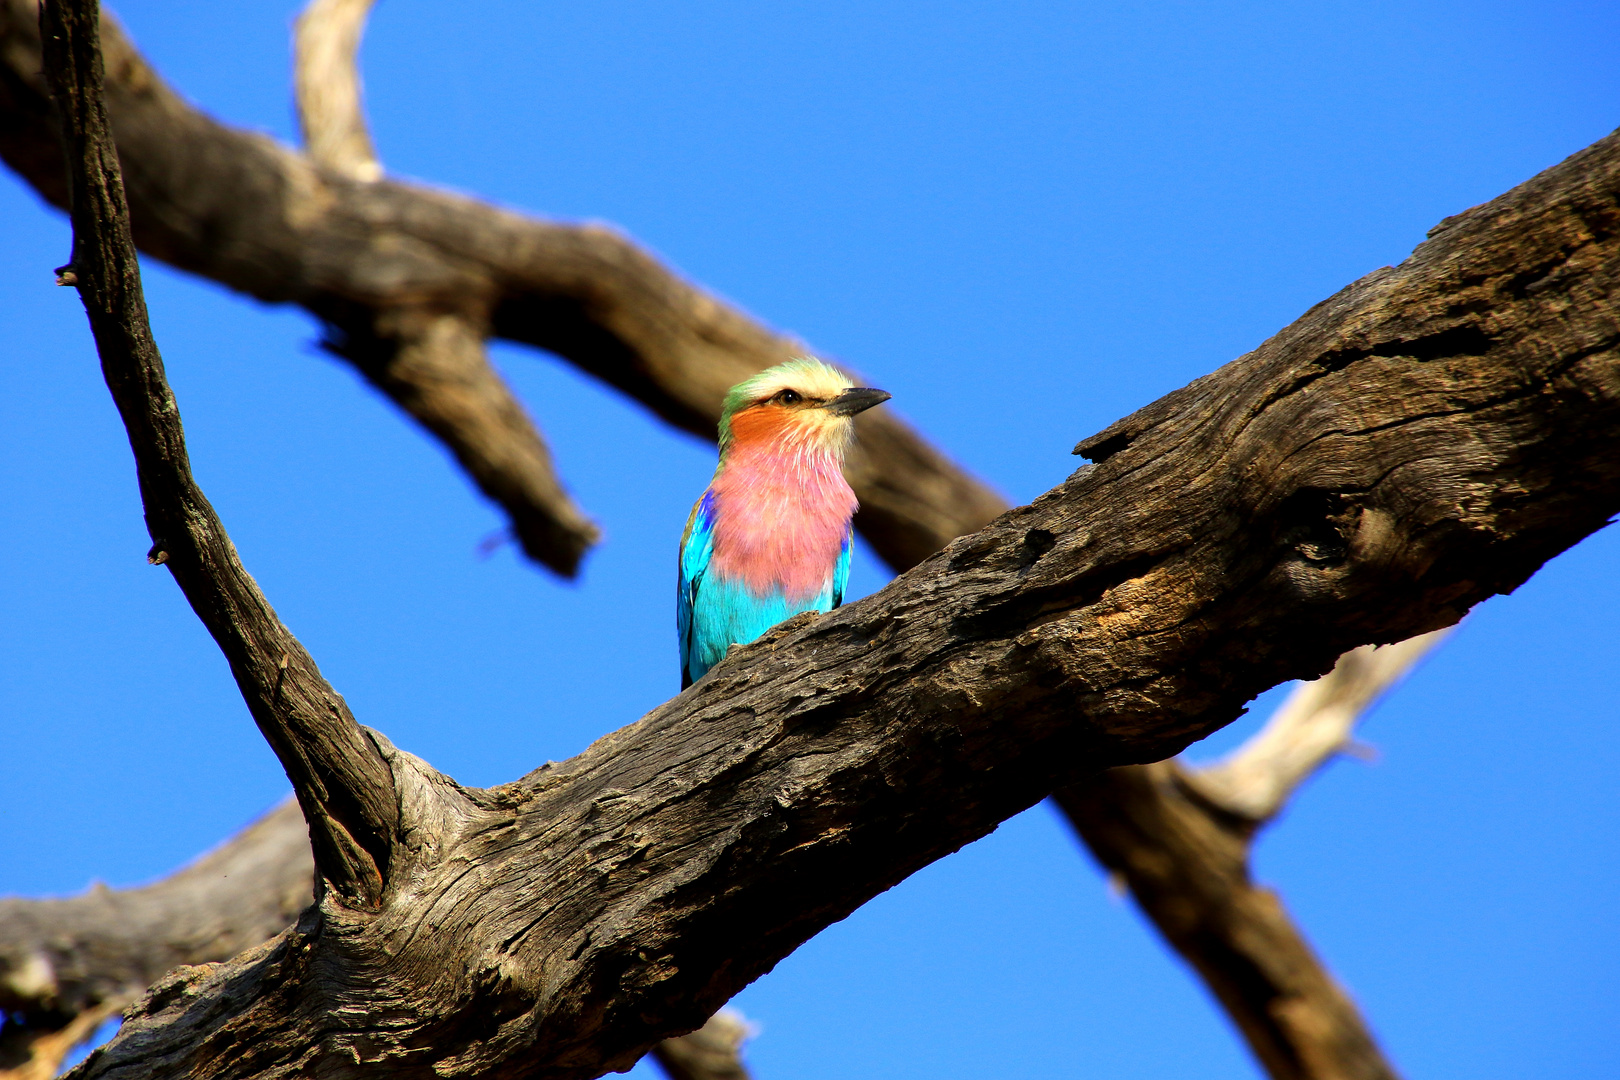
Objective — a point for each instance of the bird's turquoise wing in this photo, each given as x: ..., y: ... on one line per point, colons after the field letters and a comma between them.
x: 841, y: 570
x: 697, y: 546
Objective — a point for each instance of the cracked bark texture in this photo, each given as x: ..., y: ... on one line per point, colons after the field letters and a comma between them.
x: 403, y: 276
x: 1417, y: 443
x: 66, y: 965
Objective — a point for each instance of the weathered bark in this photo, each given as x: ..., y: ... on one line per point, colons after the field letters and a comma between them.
x: 67, y: 965
x: 379, y: 261
x: 1180, y: 839
x: 1421, y: 441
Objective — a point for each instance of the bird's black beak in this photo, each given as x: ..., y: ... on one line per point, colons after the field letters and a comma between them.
x: 856, y: 399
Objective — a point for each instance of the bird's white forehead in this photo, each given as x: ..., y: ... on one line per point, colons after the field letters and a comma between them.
x: 812, y: 379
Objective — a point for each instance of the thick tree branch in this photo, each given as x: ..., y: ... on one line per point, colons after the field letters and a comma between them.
x: 1180, y: 839
x: 67, y: 965
x: 326, y: 86
x: 339, y: 775
x: 1421, y: 441
x: 259, y: 218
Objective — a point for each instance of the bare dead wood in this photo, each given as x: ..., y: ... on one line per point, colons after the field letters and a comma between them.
x: 1181, y: 838
x: 326, y: 87
x: 67, y: 965
x: 712, y: 1052
x: 430, y: 358
x: 340, y: 776
x: 431, y: 361
x: 1421, y: 441
x: 260, y: 218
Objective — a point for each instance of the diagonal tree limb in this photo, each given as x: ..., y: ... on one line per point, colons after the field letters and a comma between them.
x: 64, y: 956
x: 1324, y: 546
x: 1180, y: 838
x: 479, y: 442
x: 257, y: 217
x: 434, y: 365
x: 67, y: 965
x: 340, y: 776
x: 326, y: 87
x: 1421, y: 441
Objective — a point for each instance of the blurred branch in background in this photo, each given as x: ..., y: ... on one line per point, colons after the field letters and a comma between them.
x: 326, y: 87
x: 409, y: 281
x: 1181, y: 837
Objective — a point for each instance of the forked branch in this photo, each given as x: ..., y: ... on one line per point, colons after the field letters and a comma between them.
x: 1423, y: 440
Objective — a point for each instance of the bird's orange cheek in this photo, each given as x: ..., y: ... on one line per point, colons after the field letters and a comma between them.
x: 761, y: 425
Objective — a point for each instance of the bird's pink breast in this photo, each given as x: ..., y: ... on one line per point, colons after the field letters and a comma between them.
x: 781, y: 516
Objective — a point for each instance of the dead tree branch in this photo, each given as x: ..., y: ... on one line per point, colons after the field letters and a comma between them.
x: 430, y: 358
x: 326, y: 87
x: 1423, y: 440
x: 66, y: 956
x: 67, y: 965
x: 1181, y: 838
x: 340, y: 776
x: 377, y: 261
x: 712, y: 1052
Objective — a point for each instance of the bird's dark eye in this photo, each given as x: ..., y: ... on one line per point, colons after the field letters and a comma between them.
x: 789, y: 397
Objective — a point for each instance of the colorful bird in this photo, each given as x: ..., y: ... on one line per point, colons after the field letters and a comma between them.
x: 771, y: 535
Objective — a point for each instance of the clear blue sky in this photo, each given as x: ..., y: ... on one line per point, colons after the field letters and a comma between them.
x: 1023, y: 219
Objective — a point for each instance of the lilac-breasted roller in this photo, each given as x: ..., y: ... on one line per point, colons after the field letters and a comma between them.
x: 771, y: 535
